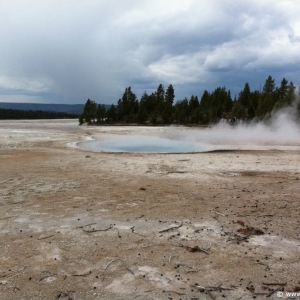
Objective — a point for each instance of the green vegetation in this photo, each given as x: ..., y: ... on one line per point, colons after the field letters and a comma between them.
x: 66, y: 108
x: 16, y: 114
x: 158, y: 107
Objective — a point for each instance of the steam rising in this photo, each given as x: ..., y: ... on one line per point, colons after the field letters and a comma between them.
x: 283, y: 129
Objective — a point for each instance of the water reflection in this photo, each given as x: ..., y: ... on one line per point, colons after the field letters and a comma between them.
x: 146, y: 144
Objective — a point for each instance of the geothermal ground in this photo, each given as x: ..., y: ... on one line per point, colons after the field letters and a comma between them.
x: 76, y: 224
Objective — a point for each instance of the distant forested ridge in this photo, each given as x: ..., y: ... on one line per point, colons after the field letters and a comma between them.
x: 65, y: 108
x: 15, y: 114
x: 159, y: 106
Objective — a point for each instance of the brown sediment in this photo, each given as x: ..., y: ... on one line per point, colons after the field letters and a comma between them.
x: 84, y: 225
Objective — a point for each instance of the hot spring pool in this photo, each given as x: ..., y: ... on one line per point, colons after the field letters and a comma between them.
x: 146, y: 144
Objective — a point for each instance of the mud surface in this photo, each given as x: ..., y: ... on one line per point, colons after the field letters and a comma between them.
x: 82, y: 225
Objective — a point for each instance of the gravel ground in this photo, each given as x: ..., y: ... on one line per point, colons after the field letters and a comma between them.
x: 76, y: 224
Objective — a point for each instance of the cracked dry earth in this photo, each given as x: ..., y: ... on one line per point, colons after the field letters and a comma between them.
x: 83, y: 225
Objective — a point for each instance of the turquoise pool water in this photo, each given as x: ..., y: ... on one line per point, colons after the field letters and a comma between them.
x: 146, y: 144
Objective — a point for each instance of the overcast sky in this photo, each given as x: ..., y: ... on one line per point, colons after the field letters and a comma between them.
x: 65, y: 51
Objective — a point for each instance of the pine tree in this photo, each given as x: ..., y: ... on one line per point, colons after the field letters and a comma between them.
x: 159, y: 100
x: 89, y: 111
x: 205, y: 108
x: 168, y: 105
x: 127, y: 106
x: 142, y: 114
x: 111, y: 114
x: 81, y: 119
x: 100, y: 113
x: 194, y: 111
x: 269, y: 85
x: 267, y: 99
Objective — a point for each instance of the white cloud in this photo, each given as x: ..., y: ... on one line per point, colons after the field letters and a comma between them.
x: 24, y: 84
x: 181, y: 69
x: 96, y: 48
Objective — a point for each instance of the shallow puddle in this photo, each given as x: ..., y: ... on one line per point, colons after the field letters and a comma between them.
x: 145, y: 144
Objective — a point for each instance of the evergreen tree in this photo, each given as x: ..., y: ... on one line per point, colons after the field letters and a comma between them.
x: 89, y: 111
x: 159, y: 106
x: 193, y: 103
x: 269, y: 85
x: 168, y: 104
x: 19, y: 114
x: 218, y: 101
x: 238, y: 111
x: 244, y: 96
x: 112, y: 114
x: 228, y: 104
x: 205, y: 108
x: 181, y: 111
x: 253, y: 106
x: 120, y: 110
x: 159, y: 100
x: 81, y: 119
x: 142, y: 114
x: 149, y: 101
x: 169, y: 95
x: 267, y: 99
x: 100, y: 113
x: 194, y: 111
x: 282, y: 90
x: 290, y: 94
x: 127, y: 106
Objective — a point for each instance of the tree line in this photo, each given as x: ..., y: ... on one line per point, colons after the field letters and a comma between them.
x: 16, y: 114
x: 159, y: 106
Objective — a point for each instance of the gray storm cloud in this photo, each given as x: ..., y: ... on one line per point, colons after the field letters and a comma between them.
x: 66, y: 51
